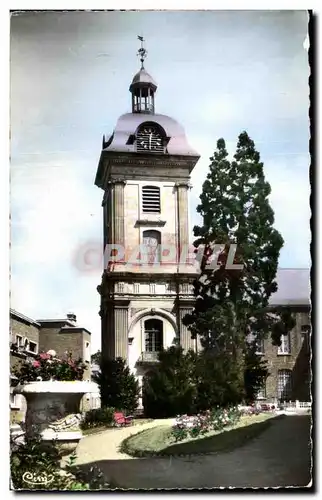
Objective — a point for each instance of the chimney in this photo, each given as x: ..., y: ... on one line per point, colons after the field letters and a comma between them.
x: 71, y: 317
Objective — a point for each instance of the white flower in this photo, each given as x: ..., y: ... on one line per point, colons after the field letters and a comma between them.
x: 51, y: 352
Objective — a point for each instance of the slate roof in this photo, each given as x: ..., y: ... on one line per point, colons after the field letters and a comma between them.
x: 128, y: 124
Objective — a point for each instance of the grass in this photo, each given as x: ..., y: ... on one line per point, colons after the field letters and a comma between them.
x: 159, y: 441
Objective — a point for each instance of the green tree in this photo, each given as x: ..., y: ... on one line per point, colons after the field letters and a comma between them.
x: 255, y: 374
x: 118, y: 386
x: 218, y: 380
x: 170, y: 390
x: 232, y: 303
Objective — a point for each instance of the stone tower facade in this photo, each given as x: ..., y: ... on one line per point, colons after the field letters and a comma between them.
x: 144, y: 171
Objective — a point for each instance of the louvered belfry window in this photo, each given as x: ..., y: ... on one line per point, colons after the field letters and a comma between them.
x: 149, y: 140
x: 151, y: 202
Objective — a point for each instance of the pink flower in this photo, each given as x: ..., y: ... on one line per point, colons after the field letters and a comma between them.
x: 44, y: 355
x: 36, y: 364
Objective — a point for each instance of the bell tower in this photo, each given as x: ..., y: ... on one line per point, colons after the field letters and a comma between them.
x: 146, y: 289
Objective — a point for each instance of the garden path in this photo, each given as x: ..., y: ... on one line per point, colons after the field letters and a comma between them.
x: 280, y: 456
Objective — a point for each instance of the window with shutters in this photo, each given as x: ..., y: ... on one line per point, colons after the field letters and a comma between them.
x: 151, y: 200
x: 284, y: 385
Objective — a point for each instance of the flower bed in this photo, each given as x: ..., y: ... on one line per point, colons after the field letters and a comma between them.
x: 160, y: 441
x: 212, y: 420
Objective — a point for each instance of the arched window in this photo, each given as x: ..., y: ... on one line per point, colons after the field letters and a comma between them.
x: 153, y: 330
x: 284, y: 385
x: 152, y: 242
x: 151, y: 200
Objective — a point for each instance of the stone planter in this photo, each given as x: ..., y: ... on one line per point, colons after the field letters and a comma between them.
x: 53, y: 410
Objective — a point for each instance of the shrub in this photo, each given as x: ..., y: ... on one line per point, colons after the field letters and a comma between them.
x: 98, y: 417
x: 219, y: 380
x: 118, y: 386
x: 171, y: 388
x: 191, y: 383
x: 34, y: 466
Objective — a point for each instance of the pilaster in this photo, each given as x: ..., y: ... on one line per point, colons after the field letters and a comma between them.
x: 121, y: 331
x: 118, y: 206
x: 107, y: 335
x: 183, y: 221
x: 186, y: 341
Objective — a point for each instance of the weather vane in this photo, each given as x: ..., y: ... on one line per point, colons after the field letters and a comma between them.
x: 142, y: 52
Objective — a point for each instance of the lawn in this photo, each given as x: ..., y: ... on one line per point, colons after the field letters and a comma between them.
x: 159, y: 441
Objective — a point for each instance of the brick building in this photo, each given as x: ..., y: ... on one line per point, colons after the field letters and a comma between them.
x: 289, y: 364
x: 28, y: 337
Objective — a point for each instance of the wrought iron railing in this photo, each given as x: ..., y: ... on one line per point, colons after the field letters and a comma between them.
x: 148, y: 357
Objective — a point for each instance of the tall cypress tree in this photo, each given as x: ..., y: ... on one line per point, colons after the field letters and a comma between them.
x: 231, y: 303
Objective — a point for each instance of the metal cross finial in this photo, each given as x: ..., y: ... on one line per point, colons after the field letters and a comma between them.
x: 142, y: 52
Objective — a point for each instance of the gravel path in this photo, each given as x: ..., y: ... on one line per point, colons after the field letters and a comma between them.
x: 104, y: 445
x: 280, y: 456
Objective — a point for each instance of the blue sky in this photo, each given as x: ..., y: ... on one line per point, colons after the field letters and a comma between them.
x: 218, y: 73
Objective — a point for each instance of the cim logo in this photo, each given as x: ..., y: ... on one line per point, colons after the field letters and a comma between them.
x: 37, y: 479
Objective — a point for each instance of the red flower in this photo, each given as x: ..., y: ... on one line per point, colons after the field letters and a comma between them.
x: 44, y: 355
x: 36, y: 364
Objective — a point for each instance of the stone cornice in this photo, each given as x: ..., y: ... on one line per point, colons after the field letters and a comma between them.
x: 108, y: 160
x: 118, y: 302
x: 183, y: 184
x: 151, y: 296
x: 147, y: 222
x: 116, y: 181
x: 186, y: 303
x: 136, y: 277
x: 148, y: 161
